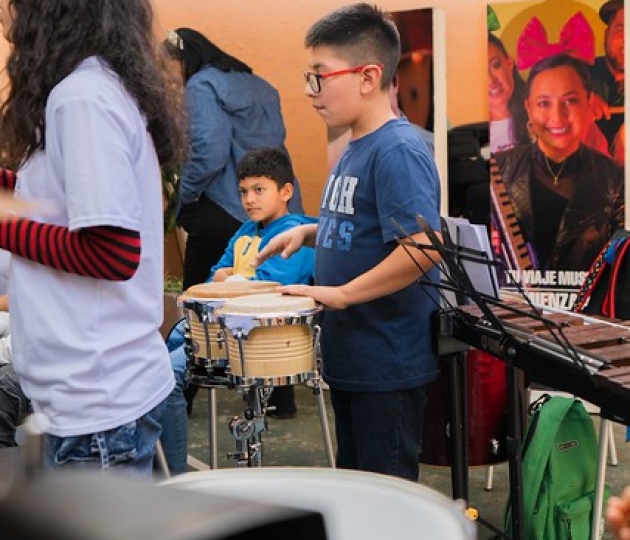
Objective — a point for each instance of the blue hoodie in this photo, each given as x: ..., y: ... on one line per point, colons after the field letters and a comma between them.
x: 252, y: 237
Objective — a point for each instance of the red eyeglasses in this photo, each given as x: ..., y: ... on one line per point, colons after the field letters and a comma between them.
x: 314, y: 80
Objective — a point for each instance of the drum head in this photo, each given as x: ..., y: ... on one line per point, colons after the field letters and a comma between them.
x: 354, y: 504
x: 268, y: 304
x: 229, y: 289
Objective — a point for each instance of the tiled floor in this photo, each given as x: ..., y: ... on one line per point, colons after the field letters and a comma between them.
x: 298, y: 442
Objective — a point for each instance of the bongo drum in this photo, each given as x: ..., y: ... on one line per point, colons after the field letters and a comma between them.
x: 206, y: 346
x: 270, y: 339
x: 363, y: 505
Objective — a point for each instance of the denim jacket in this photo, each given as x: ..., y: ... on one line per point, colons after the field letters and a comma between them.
x: 229, y: 114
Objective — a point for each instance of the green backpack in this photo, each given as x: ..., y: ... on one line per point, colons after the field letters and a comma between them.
x: 560, y: 456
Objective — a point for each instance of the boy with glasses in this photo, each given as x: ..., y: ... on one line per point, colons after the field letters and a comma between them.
x: 376, y: 333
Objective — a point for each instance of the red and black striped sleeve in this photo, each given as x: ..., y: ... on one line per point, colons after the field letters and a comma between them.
x: 109, y: 253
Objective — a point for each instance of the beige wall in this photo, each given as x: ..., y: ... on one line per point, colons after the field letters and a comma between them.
x: 268, y: 34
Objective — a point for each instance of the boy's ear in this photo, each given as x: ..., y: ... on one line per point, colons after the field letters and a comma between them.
x: 371, y: 78
x: 287, y: 192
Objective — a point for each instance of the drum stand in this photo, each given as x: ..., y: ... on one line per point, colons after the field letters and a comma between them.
x: 319, y: 397
x: 247, y: 429
x: 210, y: 382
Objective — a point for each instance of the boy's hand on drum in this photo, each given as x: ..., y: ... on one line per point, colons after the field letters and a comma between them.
x: 329, y: 297
x: 285, y: 244
x: 222, y: 274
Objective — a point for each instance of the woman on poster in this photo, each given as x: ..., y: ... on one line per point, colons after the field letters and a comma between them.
x: 506, y: 93
x: 567, y: 198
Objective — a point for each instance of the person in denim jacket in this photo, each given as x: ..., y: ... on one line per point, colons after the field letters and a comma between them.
x: 230, y: 110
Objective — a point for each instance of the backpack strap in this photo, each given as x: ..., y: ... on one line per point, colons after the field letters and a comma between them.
x: 550, y: 415
x: 609, y: 307
x: 594, y: 274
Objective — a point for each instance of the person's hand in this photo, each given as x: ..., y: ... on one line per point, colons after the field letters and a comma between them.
x: 221, y: 274
x: 285, y: 244
x: 599, y: 107
x: 329, y: 297
x: 618, y: 515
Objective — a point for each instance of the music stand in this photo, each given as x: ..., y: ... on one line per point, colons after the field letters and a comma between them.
x: 460, y: 263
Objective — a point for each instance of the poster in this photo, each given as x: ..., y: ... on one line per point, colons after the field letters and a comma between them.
x: 556, y: 99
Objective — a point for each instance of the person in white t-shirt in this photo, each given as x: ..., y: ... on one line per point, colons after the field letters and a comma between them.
x: 88, y: 131
x: 14, y: 405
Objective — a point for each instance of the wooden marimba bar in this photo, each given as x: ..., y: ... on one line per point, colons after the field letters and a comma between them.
x: 582, y: 355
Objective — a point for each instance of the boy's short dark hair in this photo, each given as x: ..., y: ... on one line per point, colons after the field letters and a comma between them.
x: 272, y: 163
x: 361, y: 34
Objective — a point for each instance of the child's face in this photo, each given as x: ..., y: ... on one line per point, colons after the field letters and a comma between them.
x: 500, y: 80
x: 614, y: 42
x: 339, y: 96
x: 263, y: 200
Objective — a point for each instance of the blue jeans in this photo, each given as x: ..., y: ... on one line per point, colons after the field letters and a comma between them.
x: 175, y: 420
x: 14, y: 405
x: 127, y: 450
x: 380, y: 432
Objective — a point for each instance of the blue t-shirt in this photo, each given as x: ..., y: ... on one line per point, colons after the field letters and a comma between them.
x: 383, y: 345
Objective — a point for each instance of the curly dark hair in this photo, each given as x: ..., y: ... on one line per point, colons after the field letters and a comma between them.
x: 51, y: 37
x: 272, y: 163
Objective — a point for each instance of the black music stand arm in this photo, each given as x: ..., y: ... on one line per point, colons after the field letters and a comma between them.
x: 453, y: 352
x: 458, y: 428
x: 508, y: 351
x: 514, y: 450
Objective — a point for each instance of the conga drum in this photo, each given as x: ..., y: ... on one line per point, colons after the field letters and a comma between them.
x: 354, y: 504
x: 208, y: 359
x: 270, y: 339
x: 487, y: 412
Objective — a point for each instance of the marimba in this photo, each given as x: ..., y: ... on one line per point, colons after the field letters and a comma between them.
x: 585, y: 356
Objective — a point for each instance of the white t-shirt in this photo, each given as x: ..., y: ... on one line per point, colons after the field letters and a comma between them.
x: 88, y: 352
x: 501, y: 137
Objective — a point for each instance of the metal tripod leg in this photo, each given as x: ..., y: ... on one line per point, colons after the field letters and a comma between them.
x: 323, y: 421
x: 212, y: 427
x: 604, y: 433
x: 319, y: 396
x: 256, y: 441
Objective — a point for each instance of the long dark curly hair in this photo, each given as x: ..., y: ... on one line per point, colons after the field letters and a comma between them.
x: 51, y: 37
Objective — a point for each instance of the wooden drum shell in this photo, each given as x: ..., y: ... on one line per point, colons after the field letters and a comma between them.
x: 270, y: 339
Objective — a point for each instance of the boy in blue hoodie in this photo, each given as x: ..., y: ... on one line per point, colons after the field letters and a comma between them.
x: 266, y: 185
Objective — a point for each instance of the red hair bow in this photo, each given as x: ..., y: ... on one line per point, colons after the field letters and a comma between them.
x: 576, y: 39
